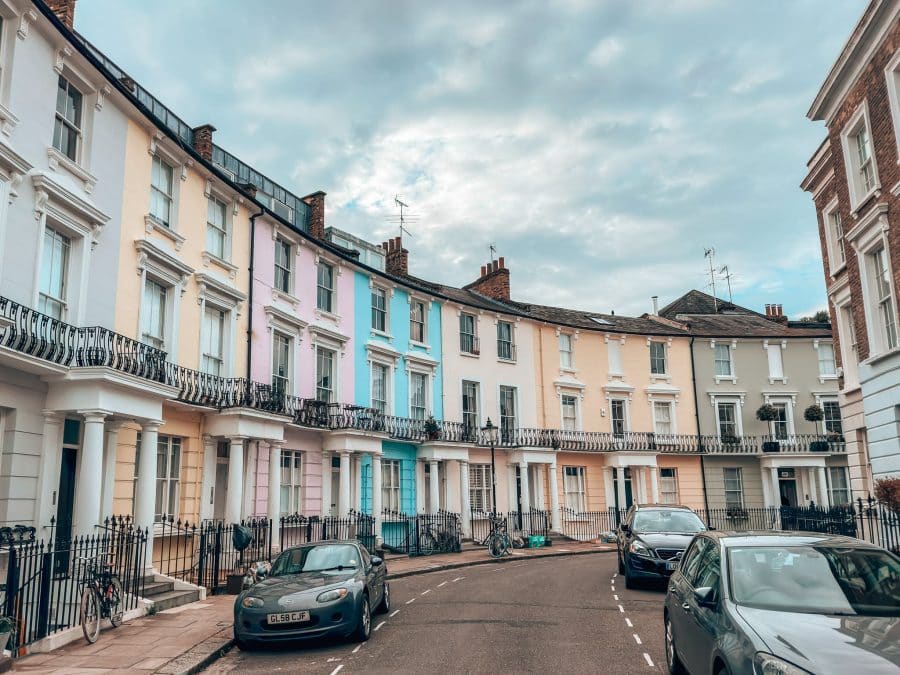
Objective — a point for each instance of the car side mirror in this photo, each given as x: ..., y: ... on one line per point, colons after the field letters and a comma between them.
x: 625, y: 528
x: 376, y: 561
x: 705, y: 596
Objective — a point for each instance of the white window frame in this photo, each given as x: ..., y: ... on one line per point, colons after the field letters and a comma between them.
x: 173, y: 211
x: 330, y: 293
x: 515, y: 416
x: 161, y: 266
x: 413, y: 301
x: 334, y: 394
x: 858, y: 122
x: 8, y: 41
x: 388, y: 380
x: 575, y: 500
x: 566, y: 356
x: 775, y: 347
x: 45, y: 297
x: 576, y: 407
x: 665, y: 359
x: 481, y: 488
x: 60, y: 118
x: 478, y: 403
x: 275, y: 377
x: 834, y: 242
x: 391, y: 481
x: 821, y: 401
x: 731, y: 346
x: 216, y: 199
x: 788, y: 403
x: 819, y: 345
x: 614, y: 355
x: 738, y: 413
x: 169, y: 480
x: 662, y: 482
x: 206, y: 355
x: 294, y: 485
x: 884, y: 326
x: 739, y: 475
x: 387, y: 294
x: 511, y: 357
x: 158, y: 341
x: 673, y: 424
x: 283, y: 244
x: 832, y: 490
x: 626, y: 421
x: 416, y: 372
x: 892, y: 77
x: 475, y: 347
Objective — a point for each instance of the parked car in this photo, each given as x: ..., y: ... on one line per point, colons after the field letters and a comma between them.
x: 783, y: 603
x: 652, y: 538
x: 316, y: 590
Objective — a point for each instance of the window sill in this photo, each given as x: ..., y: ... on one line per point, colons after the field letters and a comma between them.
x: 420, y: 345
x: 827, y: 378
x: 857, y: 208
x: 209, y: 258
x: 151, y: 224
x: 500, y: 359
x: 654, y: 377
x: 837, y: 269
x: 567, y: 369
x: 285, y: 297
x: 57, y: 159
x: 8, y: 121
x: 324, y: 314
x: 380, y: 333
x: 726, y: 378
x: 782, y: 380
x: 882, y: 356
x: 471, y: 355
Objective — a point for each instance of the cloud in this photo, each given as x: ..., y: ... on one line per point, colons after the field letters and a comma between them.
x: 605, y: 52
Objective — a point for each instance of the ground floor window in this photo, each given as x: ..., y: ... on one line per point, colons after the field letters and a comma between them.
x: 390, y: 484
x: 838, y: 485
x: 291, y: 463
x: 480, y: 487
x: 573, y: 484
x: 668, y: 485
x: 734, y: 487
x: 168, y: 472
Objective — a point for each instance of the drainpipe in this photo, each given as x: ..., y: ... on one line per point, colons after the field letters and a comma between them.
x: 250, y: 292
x: 699, y: 436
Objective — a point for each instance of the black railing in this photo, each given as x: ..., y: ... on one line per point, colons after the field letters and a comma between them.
x: 297, y: 529
x: 41, y: 600
x: 588, y: 525
x: 519, y: 525
x: 422, y: 533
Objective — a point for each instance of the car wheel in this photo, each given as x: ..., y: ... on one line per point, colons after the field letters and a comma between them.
x: 385, y: 605
x: 672, y: 661
x: 364, y: 627
x: 243, y: 645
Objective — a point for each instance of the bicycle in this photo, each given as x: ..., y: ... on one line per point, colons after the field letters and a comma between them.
x: 102, y: 598
x: 498, y: 543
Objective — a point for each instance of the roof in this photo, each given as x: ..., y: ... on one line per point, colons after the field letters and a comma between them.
x: 610, y: 323
x: 706, y: 316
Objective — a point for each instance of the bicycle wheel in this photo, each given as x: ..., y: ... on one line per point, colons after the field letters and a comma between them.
x: 495, y: 546
x: 90, y: 614
x: 426, y: 544
x: 116, y: 599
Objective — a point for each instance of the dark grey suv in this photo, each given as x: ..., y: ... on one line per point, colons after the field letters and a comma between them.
x: 783, y: 604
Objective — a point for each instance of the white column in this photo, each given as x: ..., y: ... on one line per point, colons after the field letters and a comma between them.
x: 356, y: 496
x: 641, y: 483
x: 554, y: 500
x: 235, y: 480
x: 768, y: 500
x: 248, y: 504
x: 465, y: 500
x: 654, y: 484
x: 109, y: 468
x: 344, y: 494
x: 511, y: 496
x: 420, y: 486
x: 451, y: 471
x: 434, y: 485
x: 620, y: 487
x: 538, y: 498
x: 90, y: 473
x: 377, y: 504
x: 145, y: 490
x: 274, y: 490
x: 823, y: 501
x: 48, y: 478
x: 208, y: 478
x: 523, y: 478
x: 609, y: 487
x: 327, y: 497
x: 776, y: 489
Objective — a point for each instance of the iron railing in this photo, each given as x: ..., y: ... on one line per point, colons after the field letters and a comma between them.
x: 43, y: 597
x: 519, y: 524
x: 421, y: 533
x: 298, y: 529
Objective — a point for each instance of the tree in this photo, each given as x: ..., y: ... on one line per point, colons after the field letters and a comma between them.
x: 887, y: 491
x: 821, y: 316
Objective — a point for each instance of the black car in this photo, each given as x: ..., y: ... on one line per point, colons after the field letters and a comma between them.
x: 788, y: 603
x: 652, y: 538
x: 316, y: 590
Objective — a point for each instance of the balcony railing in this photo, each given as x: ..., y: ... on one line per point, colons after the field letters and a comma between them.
x: 29, y: 332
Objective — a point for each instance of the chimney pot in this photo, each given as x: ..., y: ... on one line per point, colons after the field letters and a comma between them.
x: 483, y: 270
x: 502, y: 263
x: 655, y: 300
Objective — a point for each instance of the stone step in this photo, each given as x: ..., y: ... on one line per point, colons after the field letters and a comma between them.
x: 172, y: 599
x: 153, y: 588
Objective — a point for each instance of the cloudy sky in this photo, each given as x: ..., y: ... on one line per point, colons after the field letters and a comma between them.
x: 601, y: 146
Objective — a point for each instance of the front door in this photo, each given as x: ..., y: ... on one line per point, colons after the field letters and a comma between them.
x: 335, y: 485
x: 787, y: 487
x: 220, y: 496
x: 628, y: 499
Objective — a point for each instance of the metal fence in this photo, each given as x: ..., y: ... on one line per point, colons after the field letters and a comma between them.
x: 519, y: 524
x: 421, y: 533
x: 298, y: 529
x: 42, y: 594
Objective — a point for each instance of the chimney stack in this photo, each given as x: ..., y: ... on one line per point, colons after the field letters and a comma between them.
x: 203, y: 140
x: 396, y: 257
x: 775, y: 312
x: 494, y: 280
x: 316, y: 202
x: 655, y: 300
x: 64, y: 10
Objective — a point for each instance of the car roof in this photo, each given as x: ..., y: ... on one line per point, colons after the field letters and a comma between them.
x: 733, y: 538
x: 324, y: 542
x: 662, y: 507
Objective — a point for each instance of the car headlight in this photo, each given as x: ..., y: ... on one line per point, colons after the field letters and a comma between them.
x: 250, y: 602
x: 767, y: 664
x: 638, y: 548
x: 332, y: 595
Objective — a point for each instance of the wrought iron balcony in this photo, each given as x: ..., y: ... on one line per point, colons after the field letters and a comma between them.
x: 751, y: 445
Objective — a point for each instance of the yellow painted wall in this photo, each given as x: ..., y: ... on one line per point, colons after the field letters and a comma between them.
x: 595, y: 491
x: 690, y: 478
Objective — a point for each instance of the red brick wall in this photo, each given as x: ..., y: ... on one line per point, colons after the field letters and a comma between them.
x: 316, y: 203
x: 203, y: 140
x: 493, y: 282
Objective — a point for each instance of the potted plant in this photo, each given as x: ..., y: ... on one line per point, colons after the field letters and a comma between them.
x: 768, y: 413
x: 814, y: 413
x: 7, y: 626
x: 432, y: 429
x: 730, y: 439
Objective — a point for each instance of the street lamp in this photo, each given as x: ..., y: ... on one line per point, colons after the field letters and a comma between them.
x: 491, y: 434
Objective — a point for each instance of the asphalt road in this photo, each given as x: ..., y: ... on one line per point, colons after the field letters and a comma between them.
x: 556, y: 615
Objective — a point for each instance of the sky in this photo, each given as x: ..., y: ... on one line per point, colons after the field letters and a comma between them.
x: 600, y: 146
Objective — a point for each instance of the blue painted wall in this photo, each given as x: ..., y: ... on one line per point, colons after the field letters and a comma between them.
x: 406, y: 453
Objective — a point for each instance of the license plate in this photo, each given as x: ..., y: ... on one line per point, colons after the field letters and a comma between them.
x: 670, y: 566
x: 288, y: 617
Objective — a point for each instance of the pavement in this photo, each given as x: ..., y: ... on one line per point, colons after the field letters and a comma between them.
x: 189, y: 638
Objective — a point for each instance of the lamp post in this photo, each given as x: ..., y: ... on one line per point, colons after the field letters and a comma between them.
x: 490, y: 432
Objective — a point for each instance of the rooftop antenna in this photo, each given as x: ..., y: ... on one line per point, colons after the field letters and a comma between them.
x: 711, y: 254
x: 493, y: 251
x: 723, y: 270
x: 404, y: 218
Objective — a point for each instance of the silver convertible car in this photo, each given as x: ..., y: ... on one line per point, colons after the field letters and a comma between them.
x: 324, y: 589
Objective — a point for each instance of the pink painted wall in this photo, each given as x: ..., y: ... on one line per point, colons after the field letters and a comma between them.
x: 311, y: 481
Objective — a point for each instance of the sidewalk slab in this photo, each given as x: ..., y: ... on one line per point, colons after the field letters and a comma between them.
x: 186, y: 639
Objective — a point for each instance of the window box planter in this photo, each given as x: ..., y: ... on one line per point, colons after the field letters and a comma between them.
x: 771, y: 446
x: 818, y: 446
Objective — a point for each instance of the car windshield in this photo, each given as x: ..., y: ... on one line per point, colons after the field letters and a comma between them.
x: 816, y: 579
x: 323, y: 558
x: 679, y: 522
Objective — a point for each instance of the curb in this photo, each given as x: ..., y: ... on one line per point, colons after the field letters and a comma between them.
x: 227, y: 646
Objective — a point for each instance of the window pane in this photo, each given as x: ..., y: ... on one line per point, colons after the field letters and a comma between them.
x: 723, y: 360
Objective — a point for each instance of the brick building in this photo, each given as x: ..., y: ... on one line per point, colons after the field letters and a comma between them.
x: 854, y: 180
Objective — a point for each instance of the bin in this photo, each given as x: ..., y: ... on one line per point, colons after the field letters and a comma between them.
x: 535, y: 540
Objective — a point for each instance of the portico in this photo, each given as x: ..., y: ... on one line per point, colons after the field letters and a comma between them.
x: 794, y: 480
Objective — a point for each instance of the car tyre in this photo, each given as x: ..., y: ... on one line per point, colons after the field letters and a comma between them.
x: 674, y: 664
x: 364, y: 626
x: 243, y: 645
x: 385, y: 605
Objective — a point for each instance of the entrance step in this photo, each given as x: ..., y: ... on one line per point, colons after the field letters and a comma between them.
x: 161, y: 592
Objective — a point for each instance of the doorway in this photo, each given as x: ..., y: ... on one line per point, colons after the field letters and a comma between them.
x: 335, y: 485
x: 65, y: 494
x: 220, y: 491
x: 628, y: 497
x: 787, y: 487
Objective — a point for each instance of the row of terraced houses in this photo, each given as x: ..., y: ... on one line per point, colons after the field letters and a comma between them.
x: 182, y: 335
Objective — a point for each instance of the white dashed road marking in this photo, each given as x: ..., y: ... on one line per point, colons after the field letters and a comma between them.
x: 358, y: 647
x: 621, y: 609
x: 637, y: 638
x: 426, y: 592
x: 394, y: 613
x: 628, y: 621
x: 337, y: 670
x: 441, y: 584
x: 615, y: 597
x: 458, y: 579
x: 379, y: 625
x: 410, y: 601
x: 646, y: 658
